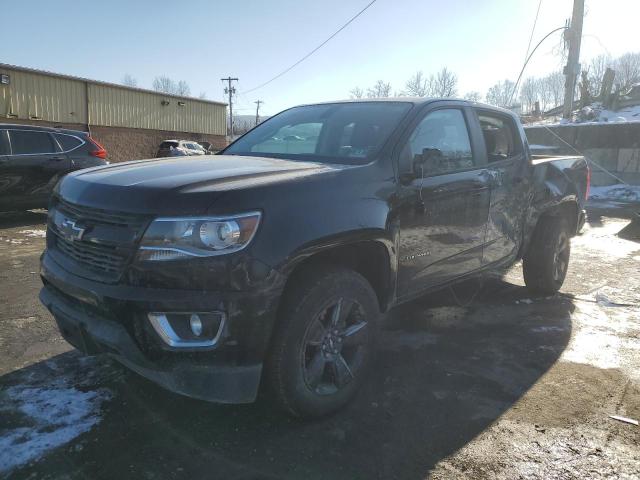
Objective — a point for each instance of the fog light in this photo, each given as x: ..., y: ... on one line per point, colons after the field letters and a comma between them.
x: 188, y: 329
x: 196, y: 325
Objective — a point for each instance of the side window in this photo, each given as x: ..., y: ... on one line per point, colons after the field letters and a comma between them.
x: 4, y: 143
x: 68, y: 142
x: 30, y: 142
x: 440, y: 143
x: 296, y: 139
x: 501, y: 138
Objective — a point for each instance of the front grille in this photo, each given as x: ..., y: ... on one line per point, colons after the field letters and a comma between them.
x: 103, y: 252
x: 100, y: 216
x: 97, y: 257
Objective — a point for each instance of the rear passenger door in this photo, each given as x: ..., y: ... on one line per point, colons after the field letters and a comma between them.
x: 33, y: 168
x: 507, y: 163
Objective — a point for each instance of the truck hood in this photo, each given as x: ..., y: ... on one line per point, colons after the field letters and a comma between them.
x: 178, y: 184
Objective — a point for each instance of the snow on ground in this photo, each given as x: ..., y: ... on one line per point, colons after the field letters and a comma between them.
x: 603, y: 242
x: 626, y: 193
x: 45, y: 411
x: 34, y: 233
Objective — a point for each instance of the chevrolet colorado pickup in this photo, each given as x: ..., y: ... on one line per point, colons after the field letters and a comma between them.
x: 269, y: 264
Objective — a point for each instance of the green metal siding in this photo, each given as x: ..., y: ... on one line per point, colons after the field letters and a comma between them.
x: 121, y: 107
x: 34, y: 95
x: 31, y: 96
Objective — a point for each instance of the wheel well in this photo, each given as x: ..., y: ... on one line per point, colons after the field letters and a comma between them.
x: 569, y: 210
x: 369, y: 258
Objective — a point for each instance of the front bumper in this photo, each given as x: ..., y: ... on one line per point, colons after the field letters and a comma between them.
x: 98, y: 318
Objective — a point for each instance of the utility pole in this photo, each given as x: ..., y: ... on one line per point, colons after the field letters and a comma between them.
x: 574, y: 36
x: 258, y: 102
x: 231, y: 90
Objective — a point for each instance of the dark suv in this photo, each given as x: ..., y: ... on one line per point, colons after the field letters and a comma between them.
x: 33, y: 159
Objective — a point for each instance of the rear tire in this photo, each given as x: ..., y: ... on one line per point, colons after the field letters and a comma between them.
x: 546, y: 262
x: 322, y: 347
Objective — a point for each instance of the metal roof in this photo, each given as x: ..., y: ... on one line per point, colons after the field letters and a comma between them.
x: 108, y: 84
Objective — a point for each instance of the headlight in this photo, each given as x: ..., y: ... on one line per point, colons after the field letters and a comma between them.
x: 176, y: 238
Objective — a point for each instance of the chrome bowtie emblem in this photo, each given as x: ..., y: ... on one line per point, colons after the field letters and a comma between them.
x: 71, y: 230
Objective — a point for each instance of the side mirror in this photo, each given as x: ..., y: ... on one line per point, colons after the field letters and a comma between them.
x: 427, y: 162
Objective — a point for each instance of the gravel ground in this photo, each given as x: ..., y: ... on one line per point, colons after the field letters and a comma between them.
x: 508, y: 386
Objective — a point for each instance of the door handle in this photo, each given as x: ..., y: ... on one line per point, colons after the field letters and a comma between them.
x: 56, y: 159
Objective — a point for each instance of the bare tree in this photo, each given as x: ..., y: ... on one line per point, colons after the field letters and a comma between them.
x: 500, y: 93
x: 444, y: 84
x: 182, y: 88
x: 356, y: 92
x: 129, y: 81
x: 473, y: 96
x: 627, y: 69
x: 379, y: 90
x: 202, y: 96
x: 166, y: 85
x: 597, y: 66
x: 163, y: 84
x: 529, y: 93
x: 416, y: 86
x: 554, y: 85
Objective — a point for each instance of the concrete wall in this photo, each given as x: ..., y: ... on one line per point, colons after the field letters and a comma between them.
x: 614, y: 146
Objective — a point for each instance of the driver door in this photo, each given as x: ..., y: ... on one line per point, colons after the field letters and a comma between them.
x: 444, y: 206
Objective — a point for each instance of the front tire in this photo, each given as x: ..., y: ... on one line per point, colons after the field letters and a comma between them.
x: 547, y: 260
x: 323, y: 345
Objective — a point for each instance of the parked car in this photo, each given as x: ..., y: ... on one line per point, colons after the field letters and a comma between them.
x: 208, y: 147
x: 272, y: 268
x: 179, y: 148
x: 33, y: 159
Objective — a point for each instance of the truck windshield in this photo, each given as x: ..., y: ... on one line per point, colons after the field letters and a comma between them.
x: 333, y: 133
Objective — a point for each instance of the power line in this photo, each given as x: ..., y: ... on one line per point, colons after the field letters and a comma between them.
x: 312, y: 51
x: 533, y: 29
x: 515, y: 87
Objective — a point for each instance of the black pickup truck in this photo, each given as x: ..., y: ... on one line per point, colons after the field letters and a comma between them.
x: 269, y: 264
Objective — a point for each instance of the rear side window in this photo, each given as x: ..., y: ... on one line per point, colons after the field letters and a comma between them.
x: 500, y: 136
x: 4, y: 143
x: 68, y: 142
x: 24, y: 142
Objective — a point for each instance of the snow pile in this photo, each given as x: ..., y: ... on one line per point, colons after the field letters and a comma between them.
x: 625, y: 114
x: 594, y: 114
x: 621, y: 192
x: 45, y: 415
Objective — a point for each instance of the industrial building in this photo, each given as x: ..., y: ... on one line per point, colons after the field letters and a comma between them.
x: 129, y: 122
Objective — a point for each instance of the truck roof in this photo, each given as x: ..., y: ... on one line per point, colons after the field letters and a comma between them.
x: 416, y: 101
